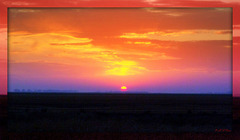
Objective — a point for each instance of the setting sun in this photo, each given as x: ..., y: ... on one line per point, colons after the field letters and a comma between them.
x: 123, y: 88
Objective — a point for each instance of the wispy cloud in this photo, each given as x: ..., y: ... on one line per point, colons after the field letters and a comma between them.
x: 187, y: 35
x: 25, y: 48
x: 161, y: 56
x: 124, y: 68
x: 139, y: 42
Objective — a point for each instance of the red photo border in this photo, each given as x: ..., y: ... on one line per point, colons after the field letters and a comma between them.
x: 5, y: 4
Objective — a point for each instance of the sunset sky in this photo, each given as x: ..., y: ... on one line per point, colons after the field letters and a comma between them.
x: 157, y: 50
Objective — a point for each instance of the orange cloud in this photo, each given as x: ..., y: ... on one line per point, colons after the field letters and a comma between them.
x: 66, y: 49
x: 187, y: 35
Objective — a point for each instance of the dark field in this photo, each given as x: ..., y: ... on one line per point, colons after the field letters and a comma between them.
x: 44, y: 112
x: 220, y: 135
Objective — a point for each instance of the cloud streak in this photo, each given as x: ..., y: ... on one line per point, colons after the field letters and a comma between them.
x: 188, y: 35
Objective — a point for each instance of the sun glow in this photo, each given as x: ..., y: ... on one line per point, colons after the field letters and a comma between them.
x: 124, y: 68
x: 123, y: 88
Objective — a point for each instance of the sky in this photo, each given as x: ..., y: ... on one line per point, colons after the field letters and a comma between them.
x: 155, y: 50
x: 234, y: 4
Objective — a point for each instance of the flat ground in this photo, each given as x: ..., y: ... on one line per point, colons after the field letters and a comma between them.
x: 119, y: 112
x: 41, y: 110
